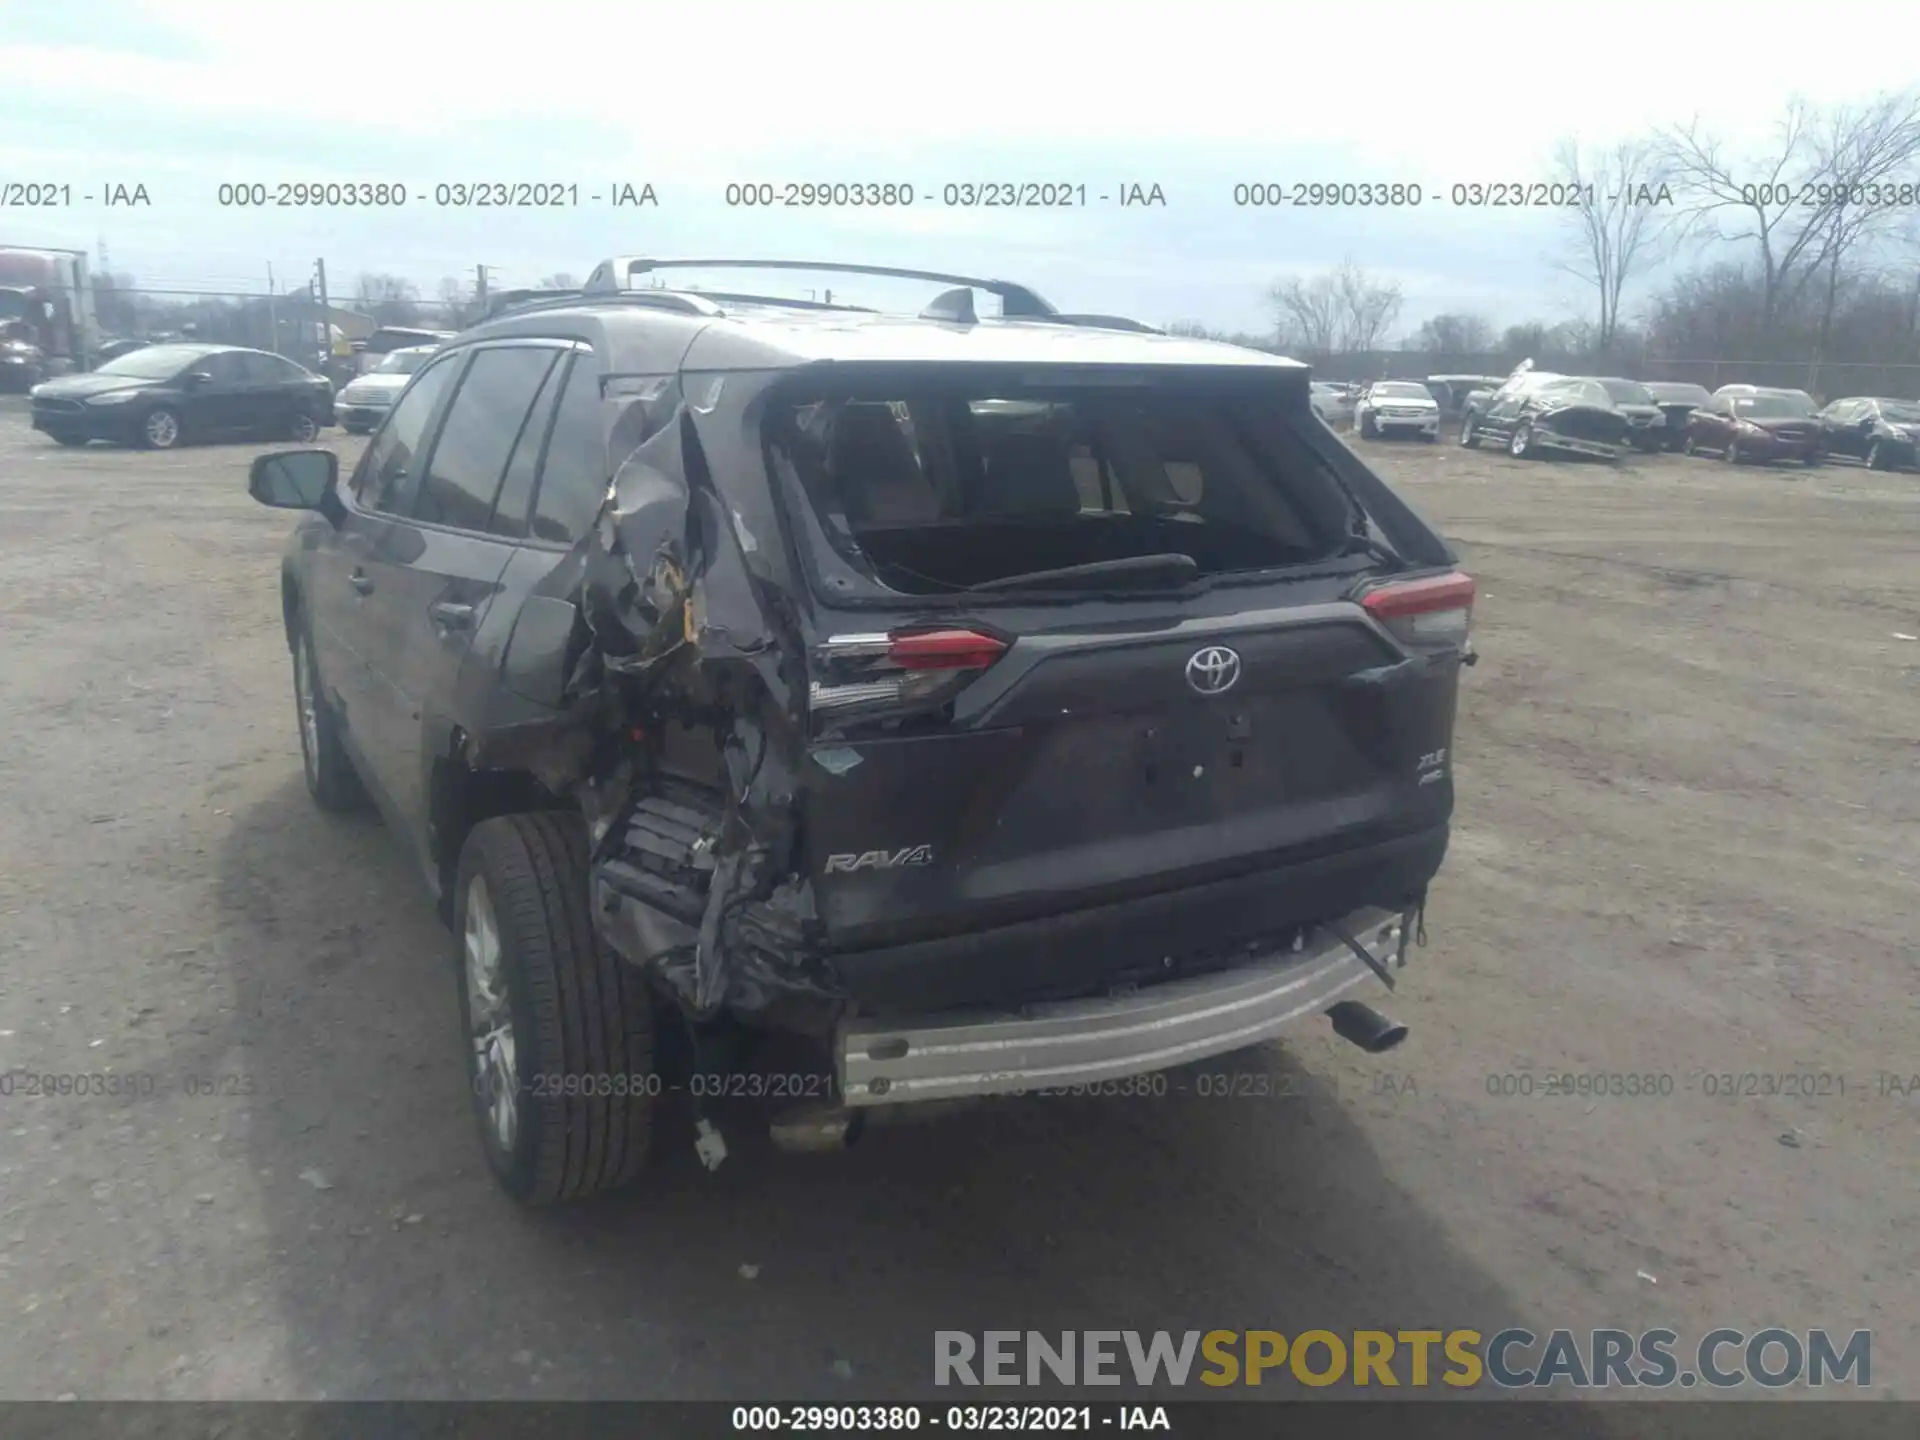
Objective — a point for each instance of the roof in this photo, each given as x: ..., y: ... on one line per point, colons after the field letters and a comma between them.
x: 658, y: 331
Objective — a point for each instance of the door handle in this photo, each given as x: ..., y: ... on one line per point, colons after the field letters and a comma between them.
x: 361, y: 582
x: 450, y: 615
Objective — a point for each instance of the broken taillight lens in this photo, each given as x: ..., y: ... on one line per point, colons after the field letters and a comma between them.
x: 1435, y: 612
x: 870, y: 675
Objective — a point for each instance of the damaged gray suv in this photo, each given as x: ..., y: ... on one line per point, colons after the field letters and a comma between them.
x: 973, y: 704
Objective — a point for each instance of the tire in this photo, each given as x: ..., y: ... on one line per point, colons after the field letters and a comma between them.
x: 302, y: 428
x: 1469, y: 437
x: 70, y: 440
x: 1430, y: 437
x: 354, y: 429
x: 1815, y: 460
x: 331, y: 779
x: 574, y: 1012
x: 1368, y: 429
x: 1687, y: 446
x: 1732, y: 453
x: 1877, y: 457
x: 1520, y: 443
x: 160, y: 429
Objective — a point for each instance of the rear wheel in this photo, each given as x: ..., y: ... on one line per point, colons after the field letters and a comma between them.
x: 1468, y: 436
x: 1876, y: 457
x: 1520, y: 443
x: 559, y: 1029
x: 302, y: 427
x: 1732, y: 453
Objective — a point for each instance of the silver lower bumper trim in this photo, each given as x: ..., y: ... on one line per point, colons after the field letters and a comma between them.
x: 1079, y: 1042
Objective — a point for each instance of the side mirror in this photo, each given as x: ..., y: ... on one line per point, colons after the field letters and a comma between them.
x: 294, y: 479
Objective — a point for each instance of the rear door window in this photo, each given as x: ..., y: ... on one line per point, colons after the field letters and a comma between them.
x: 484, y: 424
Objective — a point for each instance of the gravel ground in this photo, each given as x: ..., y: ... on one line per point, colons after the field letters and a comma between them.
x: 1688, y: 832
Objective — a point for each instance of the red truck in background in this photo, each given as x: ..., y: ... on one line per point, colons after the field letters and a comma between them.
x: 47, y: 321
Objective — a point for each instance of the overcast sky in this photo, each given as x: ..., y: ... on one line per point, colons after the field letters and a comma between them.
x: 182, y: 95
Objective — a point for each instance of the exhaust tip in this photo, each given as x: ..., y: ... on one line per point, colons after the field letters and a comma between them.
x: 1366, y: 1027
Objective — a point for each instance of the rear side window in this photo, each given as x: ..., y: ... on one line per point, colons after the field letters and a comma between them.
x: 484, y: 424
x: 931, y: 492
x: 573, y: 481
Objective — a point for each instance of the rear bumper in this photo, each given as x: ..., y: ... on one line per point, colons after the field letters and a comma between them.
x: 1091, y: 950
x: 1082, y: 1042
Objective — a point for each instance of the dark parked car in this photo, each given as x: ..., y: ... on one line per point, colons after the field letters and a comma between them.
x: 1536, y: 413
x: 1451, y: 391
x: 1884, y: 433
x: 1677, y: 401
x: 1647, y: 422
x: 914, y: 669
x: 160, y: 396
x: 1747, y: 423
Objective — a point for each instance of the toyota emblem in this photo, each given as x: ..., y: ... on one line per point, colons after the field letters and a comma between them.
x: 1214, y: 670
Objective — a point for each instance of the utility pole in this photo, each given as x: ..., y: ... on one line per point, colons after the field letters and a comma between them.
x: 480, y: 288
x: 273, y: 315
x: 326, y: 316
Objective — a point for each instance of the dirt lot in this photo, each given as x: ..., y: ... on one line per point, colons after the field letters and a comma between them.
x: 1688, y: 837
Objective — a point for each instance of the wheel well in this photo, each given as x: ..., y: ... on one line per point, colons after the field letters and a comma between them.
x: 460, y: 797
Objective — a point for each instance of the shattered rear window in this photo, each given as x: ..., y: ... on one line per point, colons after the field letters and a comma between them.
x: 940, y: 490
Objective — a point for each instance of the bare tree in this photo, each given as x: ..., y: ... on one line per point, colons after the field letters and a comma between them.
x: 388, y: 299
x: 455, y: 299
x: 1453, y: 335
x: 560, y: 280
x: 1337, y: 312
x: 1789, y: 203
x: 1616, y: 228
x: 1869, y: 150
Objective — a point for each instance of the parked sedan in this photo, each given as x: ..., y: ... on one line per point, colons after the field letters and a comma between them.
x: 1677, y: 401
x: 1397, y: 407
x: 1884, y: 433
x: 1746, y: 423
x: 366, y: 400
x: 1647, y: 421
x: 164, y: 395
x: 1536, y: 413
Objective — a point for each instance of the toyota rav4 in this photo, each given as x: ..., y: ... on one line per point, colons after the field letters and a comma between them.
x: 983, y: 702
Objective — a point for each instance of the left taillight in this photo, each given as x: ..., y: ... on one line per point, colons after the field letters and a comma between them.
x: 1434, y: 612
x: 870, y: 676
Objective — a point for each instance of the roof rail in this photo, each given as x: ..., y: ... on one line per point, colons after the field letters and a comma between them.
x: 1106, y: 322
x: 615, y: 274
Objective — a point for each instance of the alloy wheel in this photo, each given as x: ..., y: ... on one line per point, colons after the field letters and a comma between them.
x: 161, y: 429
x: 496, y: 1074
x: 308, y: 708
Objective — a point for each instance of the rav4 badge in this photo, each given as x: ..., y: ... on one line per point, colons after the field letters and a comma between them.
x: 880, y: 859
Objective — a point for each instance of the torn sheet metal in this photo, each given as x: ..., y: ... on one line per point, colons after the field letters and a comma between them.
x: 684, y: 624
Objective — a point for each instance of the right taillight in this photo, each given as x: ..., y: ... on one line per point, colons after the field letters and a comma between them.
x: 868, y: 676
x: 1430, y: 613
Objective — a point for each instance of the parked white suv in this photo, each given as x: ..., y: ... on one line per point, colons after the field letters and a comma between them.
x: 1397, y: 407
